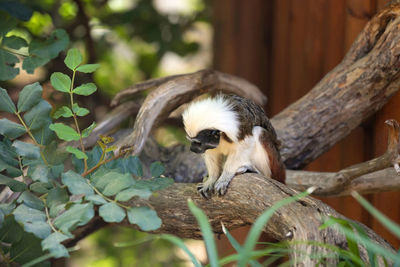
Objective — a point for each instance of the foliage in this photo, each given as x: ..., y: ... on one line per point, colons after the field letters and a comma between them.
x: 54, y: 201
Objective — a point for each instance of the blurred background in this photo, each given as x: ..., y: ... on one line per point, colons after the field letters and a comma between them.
x: 283, y: 46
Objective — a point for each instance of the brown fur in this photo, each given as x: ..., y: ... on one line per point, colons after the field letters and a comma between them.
x: 276, y: 165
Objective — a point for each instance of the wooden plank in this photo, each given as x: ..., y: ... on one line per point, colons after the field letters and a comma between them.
x: 280, y: 57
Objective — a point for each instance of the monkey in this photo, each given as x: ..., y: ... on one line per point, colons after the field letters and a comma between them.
x: 234, y: 136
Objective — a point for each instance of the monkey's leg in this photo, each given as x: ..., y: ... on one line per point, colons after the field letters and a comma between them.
x: 213, y: 163
x: 234, y: 165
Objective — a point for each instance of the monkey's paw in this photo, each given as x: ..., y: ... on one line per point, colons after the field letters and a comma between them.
x: 205, y: 189
x: 221, y: 186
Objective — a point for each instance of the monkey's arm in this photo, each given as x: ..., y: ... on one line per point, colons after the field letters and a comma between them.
x: 213, y: 161
x: 235, y: 164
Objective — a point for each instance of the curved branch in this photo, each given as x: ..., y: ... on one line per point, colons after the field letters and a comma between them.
x: 170, y: 95
x: 359, y: 86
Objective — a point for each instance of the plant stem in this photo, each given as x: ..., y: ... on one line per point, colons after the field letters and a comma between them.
x: 106, y: 198
x: 76, y: 120
x: 102, y: 162
x: 49, y: 219
x: 32, y: 137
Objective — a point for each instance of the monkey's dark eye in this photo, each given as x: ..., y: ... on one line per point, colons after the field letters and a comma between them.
x: 215, y: 132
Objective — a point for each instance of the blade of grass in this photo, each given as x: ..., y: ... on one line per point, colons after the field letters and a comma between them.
x: 179, y: 243
x: 258, y: 226
x: 207, y: 233
x: 236, y: 244
x: 388, y: 223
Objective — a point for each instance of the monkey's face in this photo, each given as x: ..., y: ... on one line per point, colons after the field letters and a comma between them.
x: 205, y: 139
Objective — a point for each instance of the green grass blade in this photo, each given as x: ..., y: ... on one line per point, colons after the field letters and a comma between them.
x: 388, y: 223
x: 258, y: 226
x: 207, y: 233
x: 179, y: 243
x: 236, y: 244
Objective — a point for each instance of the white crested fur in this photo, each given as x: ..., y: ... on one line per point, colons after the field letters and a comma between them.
x: 211, y: 113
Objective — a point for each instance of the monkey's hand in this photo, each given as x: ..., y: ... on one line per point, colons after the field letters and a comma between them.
x: 221, y: 186
x: 206, y: 188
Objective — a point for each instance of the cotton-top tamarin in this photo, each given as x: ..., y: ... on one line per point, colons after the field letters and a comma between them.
x: 235, y: 136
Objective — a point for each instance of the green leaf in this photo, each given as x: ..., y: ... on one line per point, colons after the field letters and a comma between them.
x: 64, y: 111
x: 96, y: 199
x: 6, y: 103
x: 118, y: 183
x: 76, y: 215
x: 40, y: 187
x: 7, y: 63
x: 39, y: 116
x: 88, y: 68
x: 14, y: 42
x: 14, y: 185
x: 7, y: 23
x: 129, y: 193
x: 111, y: 212
x: 85, y: 89
x: 29, y: 96
x: 64, y: 132
x: 86, y: 132
x: 39, y: 229
x: 11, y: 129
x: 53, y: 244
x: 73, y: 58
x: 26, y: 150
x: 60, y: 82
x: 24, y: 214
x: 40, y: 173
x: 11, y: 170
x: 44, y: 136
x: 133, y: 165
x: 78, y: 153
x: 27, y: 249
x: 76, y: 183
x: 42, y: 51
x: 10, y: 231
x: 31, y: 200
x: 80, y: 111
x: 56, y: 200
x: 207, y: 233
x: 144, y: 217
x: 156, y: 169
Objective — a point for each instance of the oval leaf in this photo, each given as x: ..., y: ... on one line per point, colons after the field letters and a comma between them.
x: 29, y: 96
x: 64, y: 111
x: 78, y: 154
x: 85, y: 89
x: 156, y: 169
x: 6, y: 103
x: 76, y: 183
x: 11, y: 129
x: 111, y: 212
x: 88, y: 68
x: 64, y: 132
x: 60, y: 82
x: 73, y: 58
x: 146, y: 218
